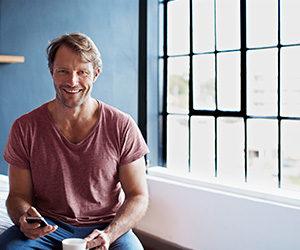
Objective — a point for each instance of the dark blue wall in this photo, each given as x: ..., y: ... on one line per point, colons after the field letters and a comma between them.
x: 27, y: 26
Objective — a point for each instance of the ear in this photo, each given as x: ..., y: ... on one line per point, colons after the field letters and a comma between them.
x: 97, y: 73
x: 51, y: 72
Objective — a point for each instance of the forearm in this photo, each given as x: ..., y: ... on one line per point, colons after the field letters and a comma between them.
x: 132, y: 210
x: 16, y: 207
x: 133, y: 180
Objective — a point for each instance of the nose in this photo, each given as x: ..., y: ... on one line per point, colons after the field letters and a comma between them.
x: 74, y: 79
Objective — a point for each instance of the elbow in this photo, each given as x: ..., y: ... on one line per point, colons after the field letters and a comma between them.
x: 144, y: 204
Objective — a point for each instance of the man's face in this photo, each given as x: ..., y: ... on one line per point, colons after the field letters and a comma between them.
x: 73, y: 79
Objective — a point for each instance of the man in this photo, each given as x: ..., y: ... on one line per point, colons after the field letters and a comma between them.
x: 73, y: 160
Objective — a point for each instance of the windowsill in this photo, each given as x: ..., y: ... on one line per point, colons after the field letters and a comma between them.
x: 244, y: 190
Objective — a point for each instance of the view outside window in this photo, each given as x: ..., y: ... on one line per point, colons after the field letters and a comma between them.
x: 232, y: 90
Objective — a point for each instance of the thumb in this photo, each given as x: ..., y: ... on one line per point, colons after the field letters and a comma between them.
x: 33, y: 212
x: 93, y: 235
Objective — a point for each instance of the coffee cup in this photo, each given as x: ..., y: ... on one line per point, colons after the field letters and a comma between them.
x: 74, y: 244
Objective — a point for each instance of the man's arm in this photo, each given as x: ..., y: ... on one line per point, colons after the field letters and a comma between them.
x: 20, y: 190
x: 133, y: 180
x: 19, y: 203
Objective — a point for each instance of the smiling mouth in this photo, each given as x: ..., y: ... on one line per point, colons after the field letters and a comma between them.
x: 73, y: 91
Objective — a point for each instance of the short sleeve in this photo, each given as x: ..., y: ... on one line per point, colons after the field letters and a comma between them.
x: 133, y: 144
x: 15, y: 152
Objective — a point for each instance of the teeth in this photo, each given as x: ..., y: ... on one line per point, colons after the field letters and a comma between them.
x: 72, y: 91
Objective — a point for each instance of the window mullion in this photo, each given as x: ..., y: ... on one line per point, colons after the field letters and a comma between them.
x: 191, y: 95
x: 278, y: 100
x: 165, y: 84
x: 244, y: 76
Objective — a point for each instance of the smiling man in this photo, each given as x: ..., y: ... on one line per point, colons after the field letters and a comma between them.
x: 75, y: 161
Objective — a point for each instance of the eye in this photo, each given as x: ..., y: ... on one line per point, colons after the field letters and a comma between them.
x: 61, y: 71
x: 83, y: 73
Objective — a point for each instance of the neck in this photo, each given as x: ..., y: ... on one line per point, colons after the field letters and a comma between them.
x: 63, y: 114
x: 75, y: 123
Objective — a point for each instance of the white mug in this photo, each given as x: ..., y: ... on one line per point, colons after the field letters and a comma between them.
x: 74, y: 244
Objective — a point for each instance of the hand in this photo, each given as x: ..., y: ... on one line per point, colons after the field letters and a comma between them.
x: 98, y: 240
x: 33, y: 230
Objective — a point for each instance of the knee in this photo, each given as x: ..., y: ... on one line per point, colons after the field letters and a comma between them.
x: 12, y: 239
x: 128, y: 241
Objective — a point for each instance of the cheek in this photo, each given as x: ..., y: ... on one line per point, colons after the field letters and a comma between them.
x: 88, y: 83
x: 90, y: 87
x: 56, y: 79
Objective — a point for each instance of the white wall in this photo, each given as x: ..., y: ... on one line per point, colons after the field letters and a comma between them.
x: 206, y: 219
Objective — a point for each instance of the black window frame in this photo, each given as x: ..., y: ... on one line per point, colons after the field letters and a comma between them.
x: 163, y: 114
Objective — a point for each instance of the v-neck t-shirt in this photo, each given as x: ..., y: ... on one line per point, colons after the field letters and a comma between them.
x: 75, y: 183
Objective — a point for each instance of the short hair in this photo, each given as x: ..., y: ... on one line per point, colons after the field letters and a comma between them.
x: 79, y: 43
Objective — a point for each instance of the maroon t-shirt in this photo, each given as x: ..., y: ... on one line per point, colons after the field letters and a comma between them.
x: 75, y: 183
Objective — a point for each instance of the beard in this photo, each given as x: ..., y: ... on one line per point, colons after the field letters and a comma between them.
x: 71, y: 100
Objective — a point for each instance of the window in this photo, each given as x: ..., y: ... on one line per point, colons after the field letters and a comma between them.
x: 230, y: 90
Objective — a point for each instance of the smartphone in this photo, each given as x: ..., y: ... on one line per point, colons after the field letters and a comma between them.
x: 40, y: 220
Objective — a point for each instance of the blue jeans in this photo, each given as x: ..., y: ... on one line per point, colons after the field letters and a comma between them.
x: 14, y: 239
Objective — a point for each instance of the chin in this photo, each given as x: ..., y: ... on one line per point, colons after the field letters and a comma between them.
x: 75, y: 103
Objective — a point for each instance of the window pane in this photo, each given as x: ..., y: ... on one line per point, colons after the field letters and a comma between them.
x: 290, y: 20
x: 203, y: 25
x: 262, y: 82
x: 177, y: 143
x: 290, y: 82
x: 290, y: 171
x: 228, y: 24
x: 230, y: 142
x: 178, y: 27
x: 204, y: 82
x: 161, y: 84
x: 262, y: 23
x: 161, y: 30
x: 262, y: 152
x: 229, y: 87
x: 178, y: 85
x: 203, y: 147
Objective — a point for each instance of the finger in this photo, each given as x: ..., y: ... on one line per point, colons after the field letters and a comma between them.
x: 103, y: 248
x: 24, y: 223
x: 25, y: 226
x: 32, y: 226
x: 49, y: 228
x: 40, y: 232
x: 96, y: 243
x: 93, y: 235
x: 22, y: 219
x: 100, y: 248
x: 92, y: 244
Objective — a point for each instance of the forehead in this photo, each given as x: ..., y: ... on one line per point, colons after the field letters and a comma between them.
x: 65, y: 57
